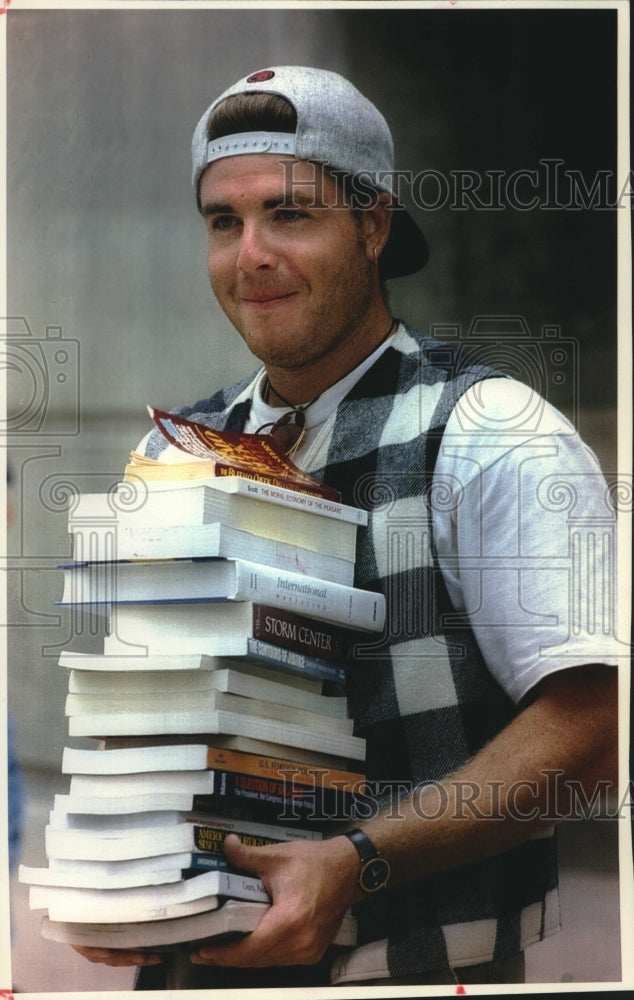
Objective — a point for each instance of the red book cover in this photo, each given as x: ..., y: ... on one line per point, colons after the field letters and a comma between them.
x: 254, y: 456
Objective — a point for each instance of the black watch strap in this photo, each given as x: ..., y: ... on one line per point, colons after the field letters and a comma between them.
x: 375, y: 870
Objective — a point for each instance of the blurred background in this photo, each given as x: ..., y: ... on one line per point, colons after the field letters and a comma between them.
x: 512, y: 111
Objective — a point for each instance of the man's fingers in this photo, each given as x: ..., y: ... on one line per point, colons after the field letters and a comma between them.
x: 235, y: 849
x: 114, y: 957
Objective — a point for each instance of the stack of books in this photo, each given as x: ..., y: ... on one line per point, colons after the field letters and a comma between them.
x: 216, y: 704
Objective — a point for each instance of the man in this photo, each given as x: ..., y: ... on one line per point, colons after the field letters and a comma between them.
x: 481, y: 707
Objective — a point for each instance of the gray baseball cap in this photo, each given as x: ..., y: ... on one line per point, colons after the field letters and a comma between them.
x: 337, y: 126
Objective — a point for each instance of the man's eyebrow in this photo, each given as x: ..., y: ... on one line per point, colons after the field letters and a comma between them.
x: 288, y: 198
x: 216, y: 208
x: 293, y: 197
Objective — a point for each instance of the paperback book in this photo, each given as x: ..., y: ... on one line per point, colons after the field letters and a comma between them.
x: 240, y: 628
x: 97, y: 691
x: 232, y: 919
x: 131, y: 541
x: 156, y: 902
x: 119, y: 838
x: 323, y: 526
x: 228, y: 453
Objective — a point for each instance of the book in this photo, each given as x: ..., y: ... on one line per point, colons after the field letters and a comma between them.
x: 93, y: 543
x: 279, y: 801
x: 137, y: 783
x: 282, y: 792
x: 59, y: 901
x: 118, y: 705
x: 233, y: 919
x: 235, y: 795
x: 63, y: 818
x: 244, y: 744
x: 155, y: 864
x: 202, y: 756
x: 94, y: 680
x: 266, y: 661
x: 155, y: 902
x: 214, y: 629
x: 186, y: 581
x: 275, y: 513
x: 231, y: 453
x: 220, y: 721
x: 95, y: 692
x: 85, y: 874
x: 149, y: 801
x: 118, y: 840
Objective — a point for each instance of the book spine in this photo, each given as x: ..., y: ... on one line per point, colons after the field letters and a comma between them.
x: 348, y: 606
x: 294, y: 662
x: 282, y: 495
x: 283, y: 482
x: 276, y: 799
x: 238, y: 886
x: 237, y: 761
x: 207, y: 863
x: 210, y: 840
x: 285, y: 629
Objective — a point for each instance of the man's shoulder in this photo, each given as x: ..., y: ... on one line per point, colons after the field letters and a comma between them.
x: 218, y: 403
x: 451, y: 356
x: 214, y: 411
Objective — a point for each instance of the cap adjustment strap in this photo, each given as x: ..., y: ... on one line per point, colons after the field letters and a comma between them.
x: 251, y: 142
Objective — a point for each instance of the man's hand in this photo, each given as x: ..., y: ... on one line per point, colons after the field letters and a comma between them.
x: 311, y: 883
x: 105, y: 956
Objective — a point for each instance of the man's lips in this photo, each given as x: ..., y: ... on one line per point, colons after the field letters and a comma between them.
x: 263, y: 298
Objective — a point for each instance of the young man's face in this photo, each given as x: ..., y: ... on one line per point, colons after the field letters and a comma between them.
x: 293, y: 273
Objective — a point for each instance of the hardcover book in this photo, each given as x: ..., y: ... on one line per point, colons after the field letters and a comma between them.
x: 263, y: 659
x: 184, y: 581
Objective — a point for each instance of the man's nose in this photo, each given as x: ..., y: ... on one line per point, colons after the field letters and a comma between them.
x: 255, y: 249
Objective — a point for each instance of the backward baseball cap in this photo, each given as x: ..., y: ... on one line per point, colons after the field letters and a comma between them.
x: 337, y: 126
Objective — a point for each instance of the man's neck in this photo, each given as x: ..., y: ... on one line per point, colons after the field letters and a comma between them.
x: 303, y: 384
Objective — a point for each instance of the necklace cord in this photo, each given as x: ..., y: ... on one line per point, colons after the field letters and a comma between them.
x: 301, y: 407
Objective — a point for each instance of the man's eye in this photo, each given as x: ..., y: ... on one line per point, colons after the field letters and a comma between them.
x: 290, y: 214
x: 223, y: 222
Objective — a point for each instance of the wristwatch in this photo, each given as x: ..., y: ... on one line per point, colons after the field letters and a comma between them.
x: 375, y: 870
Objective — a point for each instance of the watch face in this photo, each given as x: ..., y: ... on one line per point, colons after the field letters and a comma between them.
x: 374, y: 874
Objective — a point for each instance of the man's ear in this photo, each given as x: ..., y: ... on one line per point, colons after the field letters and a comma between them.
x: 377, y: 220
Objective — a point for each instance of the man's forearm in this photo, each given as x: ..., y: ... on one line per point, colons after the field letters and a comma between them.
x: 518, y: 785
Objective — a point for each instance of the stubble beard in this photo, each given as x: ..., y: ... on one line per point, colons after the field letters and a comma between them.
x: 321, y: 333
